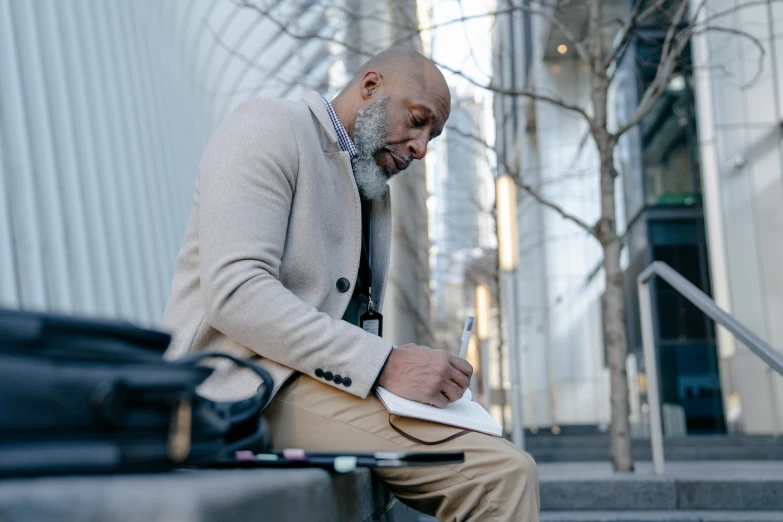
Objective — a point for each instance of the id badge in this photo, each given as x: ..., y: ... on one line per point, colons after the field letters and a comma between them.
x: 372, y: 322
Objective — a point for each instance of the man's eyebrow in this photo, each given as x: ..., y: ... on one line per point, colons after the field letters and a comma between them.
x: 431, y: 115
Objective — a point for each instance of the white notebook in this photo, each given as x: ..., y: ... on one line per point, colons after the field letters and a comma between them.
x: 463, y: 413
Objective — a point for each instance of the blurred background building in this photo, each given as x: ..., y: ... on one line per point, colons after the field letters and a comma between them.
x: 702, y: 189
x: 105, y: 109
x: 462, y: 228
x: 565, y: 380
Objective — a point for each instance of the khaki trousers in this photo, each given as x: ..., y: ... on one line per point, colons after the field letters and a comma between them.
x: 497, y: 482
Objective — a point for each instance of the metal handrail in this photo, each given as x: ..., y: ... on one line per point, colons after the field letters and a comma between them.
x: 704, y: 303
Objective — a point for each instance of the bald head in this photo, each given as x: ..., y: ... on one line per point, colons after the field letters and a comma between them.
x: 418, y: 97
x: 404, y: 67
x: 395, y: 104
x: 405, y: 70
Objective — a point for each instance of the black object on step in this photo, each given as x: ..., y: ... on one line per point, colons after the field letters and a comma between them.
x: 91, y: 396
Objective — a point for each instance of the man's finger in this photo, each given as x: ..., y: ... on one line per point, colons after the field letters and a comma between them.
x: 462, y: 365
x: 459, y: 378
x: 440, y: 400
x: 452, y: 391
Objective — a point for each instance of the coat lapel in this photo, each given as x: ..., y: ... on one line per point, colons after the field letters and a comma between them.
x: 318, y: 108
x: 380, y: 212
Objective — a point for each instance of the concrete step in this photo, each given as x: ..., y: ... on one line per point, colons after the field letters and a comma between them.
x: 690, y: 486
x: 601, y: 441
x: 600, y: 454
x: 661, y: 494
x: 595, y: 448
x: 662, y: 516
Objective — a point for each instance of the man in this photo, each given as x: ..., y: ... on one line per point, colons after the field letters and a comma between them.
x: 287, y: 244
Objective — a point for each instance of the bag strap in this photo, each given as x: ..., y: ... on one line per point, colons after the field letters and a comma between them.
x: 264, y: 391
x: 238, y: 411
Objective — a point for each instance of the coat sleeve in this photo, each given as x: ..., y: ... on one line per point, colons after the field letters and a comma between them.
x: 247, y: 179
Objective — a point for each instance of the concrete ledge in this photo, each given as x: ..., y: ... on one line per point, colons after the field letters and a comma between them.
x: 662, y: 516
x: 203, y: 496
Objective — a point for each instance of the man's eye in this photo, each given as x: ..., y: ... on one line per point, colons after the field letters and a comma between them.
x: 417, y: 122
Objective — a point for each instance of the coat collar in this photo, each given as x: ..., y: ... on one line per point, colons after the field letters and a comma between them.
x: 317, y: 106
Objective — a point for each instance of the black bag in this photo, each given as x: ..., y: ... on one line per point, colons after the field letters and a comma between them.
x: 82, y: 395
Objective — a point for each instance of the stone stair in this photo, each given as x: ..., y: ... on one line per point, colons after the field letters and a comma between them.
x: 663, y: 516
x: 595, y: 448
x: 718, y: 491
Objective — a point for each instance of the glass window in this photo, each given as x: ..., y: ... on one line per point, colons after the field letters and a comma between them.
x: 669, y: 148
x: 662, y: 15
x: 670, y: 157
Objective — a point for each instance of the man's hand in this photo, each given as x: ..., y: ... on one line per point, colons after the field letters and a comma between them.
x: 425, y: 375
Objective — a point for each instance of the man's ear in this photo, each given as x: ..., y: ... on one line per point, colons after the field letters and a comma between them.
x: 370, y: 82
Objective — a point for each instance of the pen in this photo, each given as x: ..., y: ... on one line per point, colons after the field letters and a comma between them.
x: 466, y: 331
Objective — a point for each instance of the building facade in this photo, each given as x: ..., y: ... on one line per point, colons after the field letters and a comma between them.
x: 739, y: 114
x: 464, y: 243
x: 563, y: 376
x: 461, y: 204
x: 700, y: 189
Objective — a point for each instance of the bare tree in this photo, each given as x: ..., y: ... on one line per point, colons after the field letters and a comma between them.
x: 681, y: 20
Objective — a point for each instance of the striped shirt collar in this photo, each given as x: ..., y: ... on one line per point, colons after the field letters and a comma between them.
x: 346, y: 143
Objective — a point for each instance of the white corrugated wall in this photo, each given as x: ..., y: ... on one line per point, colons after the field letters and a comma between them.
x: 105, y: 107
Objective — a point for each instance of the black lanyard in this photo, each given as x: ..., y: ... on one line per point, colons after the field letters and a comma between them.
x: 370, y: 321
x: 365, y: 265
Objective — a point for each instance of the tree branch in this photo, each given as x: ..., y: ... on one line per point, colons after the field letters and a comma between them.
x: 676, y: 43
x: 250, y: 64
x: 524, y: 92
x: 666, y: 67
x: 551, y: 18
x: 628, y: 27
x: 737, y: 32
x: 517, y: 177
x: 506, y: 92
x: 743, y: 5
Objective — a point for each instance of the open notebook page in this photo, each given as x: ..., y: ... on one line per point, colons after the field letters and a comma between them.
x: 463, y: 413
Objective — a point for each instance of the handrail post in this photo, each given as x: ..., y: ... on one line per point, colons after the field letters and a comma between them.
x: 651, y: 369
x: 703, y: 302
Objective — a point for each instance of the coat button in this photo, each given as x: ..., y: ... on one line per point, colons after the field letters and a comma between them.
x: 343, y: 284
x: 319, y: 372
x: 346, y: 381
x: 328, y: 376
x: 338, y: 379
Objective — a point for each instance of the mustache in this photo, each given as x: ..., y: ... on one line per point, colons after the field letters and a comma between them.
x: 404, y: 157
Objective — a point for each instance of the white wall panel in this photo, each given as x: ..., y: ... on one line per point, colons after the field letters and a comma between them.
x: 559, y: 323
x: 105, y: 107
x: 745, y: 162
x: 17, y: 168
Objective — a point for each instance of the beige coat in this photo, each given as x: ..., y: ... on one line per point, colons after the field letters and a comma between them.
x: 276, y: 222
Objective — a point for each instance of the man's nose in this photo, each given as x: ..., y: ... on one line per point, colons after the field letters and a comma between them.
x: 417, y: 148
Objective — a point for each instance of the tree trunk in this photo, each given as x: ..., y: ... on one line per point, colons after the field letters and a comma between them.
x: 613, y: 304
x: 613, y: 301
x: 613, y: 308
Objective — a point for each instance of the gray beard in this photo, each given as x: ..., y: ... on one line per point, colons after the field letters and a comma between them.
x: 369, y: 138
